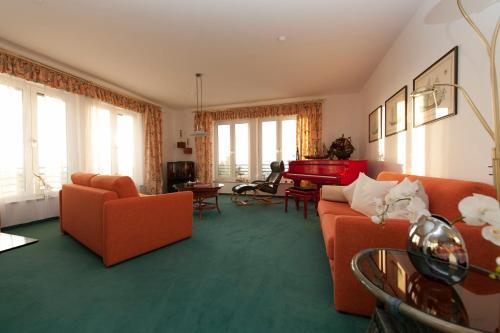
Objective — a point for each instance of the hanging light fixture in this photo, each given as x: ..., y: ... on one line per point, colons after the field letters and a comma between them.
x: 198, y: 131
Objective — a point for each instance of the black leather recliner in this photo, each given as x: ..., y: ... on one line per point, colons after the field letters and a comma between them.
x: 270, y: 185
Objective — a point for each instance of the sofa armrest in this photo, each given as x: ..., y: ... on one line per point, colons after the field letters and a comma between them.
x: 353, y: 234
x: 133, y: 226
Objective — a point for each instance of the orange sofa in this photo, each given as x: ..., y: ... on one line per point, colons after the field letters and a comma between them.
x: 109, y: 216
x: 346, y: 232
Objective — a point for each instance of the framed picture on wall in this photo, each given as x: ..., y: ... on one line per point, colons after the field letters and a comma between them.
x: 395, y: 112
x: 435, y: 101
x: 375, y: 125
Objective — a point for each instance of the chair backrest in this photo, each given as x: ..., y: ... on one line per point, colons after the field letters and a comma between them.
x: 274, y: 178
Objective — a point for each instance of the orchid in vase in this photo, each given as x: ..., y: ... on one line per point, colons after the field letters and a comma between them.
x: 409, y: 201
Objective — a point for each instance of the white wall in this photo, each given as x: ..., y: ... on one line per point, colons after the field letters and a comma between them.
x: 173, y: 122
x: 455, y: 147
x: 342, y: 114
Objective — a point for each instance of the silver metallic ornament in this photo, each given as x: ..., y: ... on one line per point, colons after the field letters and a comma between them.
x: 438, y: 250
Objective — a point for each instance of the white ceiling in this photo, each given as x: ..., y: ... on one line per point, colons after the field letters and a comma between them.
x: 154, y: 47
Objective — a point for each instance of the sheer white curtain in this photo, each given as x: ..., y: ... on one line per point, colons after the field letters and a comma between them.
x: 113, y: 140
x: 47, y: 134
x: 12, y: 173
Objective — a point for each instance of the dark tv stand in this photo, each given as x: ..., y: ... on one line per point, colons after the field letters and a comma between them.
x: 179, y: 172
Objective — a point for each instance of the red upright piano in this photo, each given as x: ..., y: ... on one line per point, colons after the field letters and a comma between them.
x: 325, y: 172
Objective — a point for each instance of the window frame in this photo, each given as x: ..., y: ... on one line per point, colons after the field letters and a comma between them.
x: 34, y: 139
x: 232, y: 149
x: 30, y: 91
x: 279, y: 124
x: 254, y: 146
x: 114, y: 113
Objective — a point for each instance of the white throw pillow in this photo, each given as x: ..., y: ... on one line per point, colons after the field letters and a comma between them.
x: 333, y: 193
x: 349, y: 190
x: 367, y: 191
x: 402, y: 190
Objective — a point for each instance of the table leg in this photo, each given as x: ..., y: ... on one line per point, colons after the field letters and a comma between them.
x: 217, y: 203
x: 286, y: 202
x: 297, y: 203
x: 316, y: 201
x: 200, y: 209
x: 306, y: 203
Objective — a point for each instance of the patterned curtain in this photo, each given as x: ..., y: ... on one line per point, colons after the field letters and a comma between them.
x: 204, y: 146
x: 153, y: 139
x: 309, y: 129
x: 33, y: 71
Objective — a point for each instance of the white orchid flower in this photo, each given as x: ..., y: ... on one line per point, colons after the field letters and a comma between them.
x: 479, y: 209
x: 377, y: 219
x: 498, y: 261
x: 417, y: 209
x: 492, y: 234
x: 380, y: 208
x: 405, y: 189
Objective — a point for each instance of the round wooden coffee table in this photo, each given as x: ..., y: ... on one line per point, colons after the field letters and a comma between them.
x: 202, y: 192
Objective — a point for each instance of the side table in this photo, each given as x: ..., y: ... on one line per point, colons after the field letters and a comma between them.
x: 201, y: 192
x: 407, y: 301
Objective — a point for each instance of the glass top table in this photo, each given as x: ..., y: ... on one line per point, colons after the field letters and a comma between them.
x: 470, y: 306
x: 9, y: 242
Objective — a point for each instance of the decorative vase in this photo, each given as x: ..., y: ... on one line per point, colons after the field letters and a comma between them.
x: 437, y: 250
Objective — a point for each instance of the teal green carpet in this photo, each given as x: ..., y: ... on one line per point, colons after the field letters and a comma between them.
x: 249, y: 269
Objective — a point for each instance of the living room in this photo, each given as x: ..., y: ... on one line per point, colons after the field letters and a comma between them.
x: 142, y: 188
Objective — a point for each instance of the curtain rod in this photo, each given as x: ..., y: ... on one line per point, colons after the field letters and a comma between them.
x: 10, y: 53
x: 215, y: 109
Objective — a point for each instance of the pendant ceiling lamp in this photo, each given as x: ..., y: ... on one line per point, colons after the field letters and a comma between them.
x: 198, y: 131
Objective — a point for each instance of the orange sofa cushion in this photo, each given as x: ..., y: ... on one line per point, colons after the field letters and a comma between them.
x: 444, y: 194
x: 123, y: 185
x: 82, y: 178
x: 328, y: 211
x: 336, y: 208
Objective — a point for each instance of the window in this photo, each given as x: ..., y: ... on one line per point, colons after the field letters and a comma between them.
x: 37, y: 151
x: 116, y: 142
x: 241, y: 150
x: 224, y: 150
x: 244, y: 150
x: 33, y: 142
x: 51, y: 153
x: 232, y: 151
x: 12, y: 176
x: 278, y: 142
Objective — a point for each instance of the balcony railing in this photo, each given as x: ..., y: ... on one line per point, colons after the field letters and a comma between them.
x: 224, y: 170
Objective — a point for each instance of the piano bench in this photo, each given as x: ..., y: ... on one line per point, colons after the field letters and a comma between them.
x: 300, y: 194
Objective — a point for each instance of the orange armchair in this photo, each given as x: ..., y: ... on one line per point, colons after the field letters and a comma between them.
x: 109, y: 216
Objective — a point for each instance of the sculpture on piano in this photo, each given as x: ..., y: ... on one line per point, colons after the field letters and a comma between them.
x: 341, y: 148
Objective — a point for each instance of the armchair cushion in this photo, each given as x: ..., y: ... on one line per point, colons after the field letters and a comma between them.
x: 123, y: 185
x: 82, y: 178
